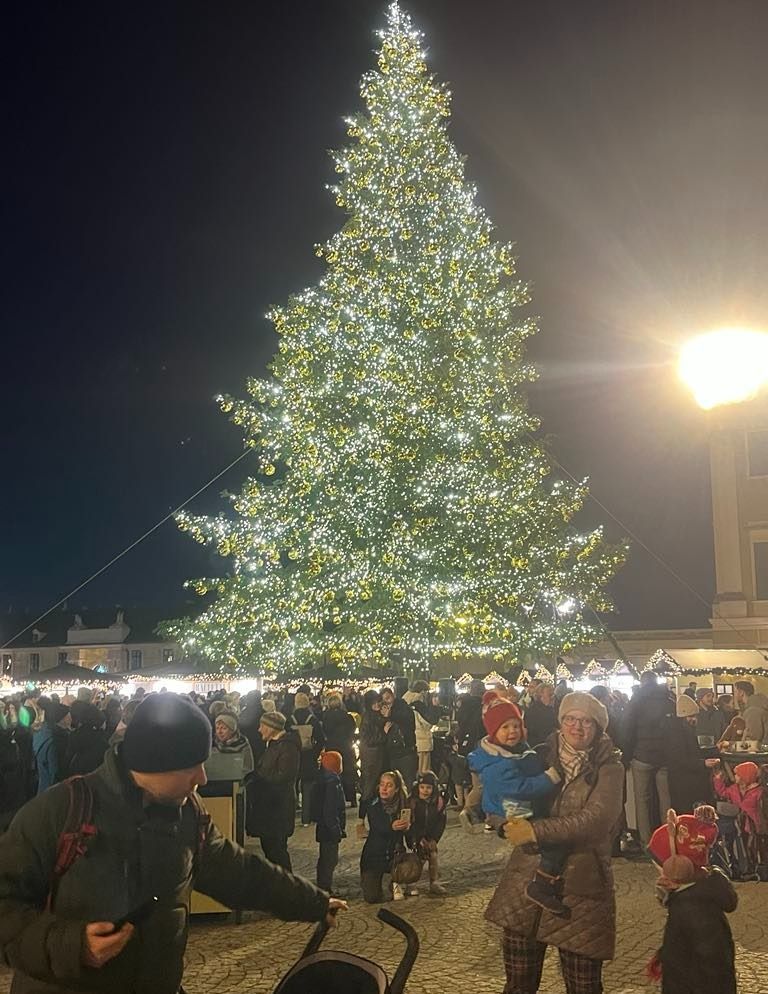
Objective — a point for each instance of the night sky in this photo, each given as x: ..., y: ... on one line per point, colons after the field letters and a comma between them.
x: 163, y: 184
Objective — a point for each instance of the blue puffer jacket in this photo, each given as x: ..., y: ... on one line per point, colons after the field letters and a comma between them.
x: 511, y: 776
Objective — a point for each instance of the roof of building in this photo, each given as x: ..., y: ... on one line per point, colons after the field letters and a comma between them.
x: 54, y: 627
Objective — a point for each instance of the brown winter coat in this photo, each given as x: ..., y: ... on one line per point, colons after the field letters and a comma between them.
x: 583, y: 817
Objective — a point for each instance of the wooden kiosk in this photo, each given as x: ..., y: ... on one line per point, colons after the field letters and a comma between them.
x: 224, y: 798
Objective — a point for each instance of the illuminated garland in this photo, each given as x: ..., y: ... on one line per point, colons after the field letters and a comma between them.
x: 401, y: 503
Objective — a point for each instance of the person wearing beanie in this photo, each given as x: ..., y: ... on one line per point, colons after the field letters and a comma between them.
x: 582, y: 817
x: 50, y: 739
x: 749, y: 796
x: 515, y: 783
x: 710, y: 720
x: 215, y: 708
x: 688, y: 778
x: 148, y: 836
x: 697, y: 952
x: 271, y: 789
x: 309, y: 730
x: 428, y: 818
x: 88, y: 742
x: 689, y: 835
x: 227, y: 737
x: 328, y: 809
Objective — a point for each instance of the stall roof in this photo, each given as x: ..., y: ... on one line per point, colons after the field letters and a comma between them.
x: 706, y: 660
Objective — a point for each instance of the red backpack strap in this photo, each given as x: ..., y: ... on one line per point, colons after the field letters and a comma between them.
x: 77, y: 833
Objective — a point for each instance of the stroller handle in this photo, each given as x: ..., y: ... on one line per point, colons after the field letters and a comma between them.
x: 394, y: 921
x: 411, y: 950
x: 316, y: 939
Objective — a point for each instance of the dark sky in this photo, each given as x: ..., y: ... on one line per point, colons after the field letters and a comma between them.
x: 163, y: 185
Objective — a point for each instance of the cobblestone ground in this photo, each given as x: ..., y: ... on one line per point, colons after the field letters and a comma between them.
x: 459, y: 951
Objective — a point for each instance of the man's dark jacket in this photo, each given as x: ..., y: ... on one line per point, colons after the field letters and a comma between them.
x: 138, y: 852
x: 272, y: 788
x: 645, y: 721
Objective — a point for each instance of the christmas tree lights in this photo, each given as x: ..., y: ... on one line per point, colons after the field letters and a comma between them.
x: 402, y: 502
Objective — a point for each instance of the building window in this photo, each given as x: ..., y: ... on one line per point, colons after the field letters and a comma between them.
x: 760, y: 556
x: 757, y: 453
x: 723, y: 688
x: 167, y: 656
x: 7, y: 665
x: 135, y: 659
x: 34, y: 662
x: 62, y: 658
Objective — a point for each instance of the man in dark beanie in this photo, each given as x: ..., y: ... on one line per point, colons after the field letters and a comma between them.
x: 272, y: 789
x: 147, y: 843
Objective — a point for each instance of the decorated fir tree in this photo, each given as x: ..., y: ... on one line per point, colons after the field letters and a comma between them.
x: 402, y: 501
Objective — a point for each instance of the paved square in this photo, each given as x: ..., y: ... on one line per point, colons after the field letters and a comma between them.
x: 459, y: 951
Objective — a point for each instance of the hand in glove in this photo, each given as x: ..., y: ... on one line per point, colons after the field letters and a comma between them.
x: 519, y: 832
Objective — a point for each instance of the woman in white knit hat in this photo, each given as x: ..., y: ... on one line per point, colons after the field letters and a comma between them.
x: 582, y: 818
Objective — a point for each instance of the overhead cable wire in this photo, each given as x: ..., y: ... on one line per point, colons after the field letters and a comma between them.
x: 128, y: 548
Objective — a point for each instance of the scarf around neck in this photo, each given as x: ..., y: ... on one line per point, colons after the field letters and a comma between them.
x: 572, y: 760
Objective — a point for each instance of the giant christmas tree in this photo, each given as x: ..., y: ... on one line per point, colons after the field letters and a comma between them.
x: 402, y: 501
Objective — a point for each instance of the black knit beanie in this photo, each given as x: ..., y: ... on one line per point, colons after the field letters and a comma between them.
x: 167, y: 732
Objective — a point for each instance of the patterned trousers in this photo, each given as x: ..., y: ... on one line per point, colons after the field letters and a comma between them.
x: 524, y: 962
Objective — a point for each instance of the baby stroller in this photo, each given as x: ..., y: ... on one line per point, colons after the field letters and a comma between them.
x: 343, y: 973
x: 729, y: 852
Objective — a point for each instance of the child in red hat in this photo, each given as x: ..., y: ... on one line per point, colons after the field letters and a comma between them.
x: 748, y: 794
x: 328, y: 806
x: 685, y: 835
x: 515, y: 784
x: 697, y: 951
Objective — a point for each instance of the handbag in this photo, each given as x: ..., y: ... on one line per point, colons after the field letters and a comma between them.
x: 406, y: 867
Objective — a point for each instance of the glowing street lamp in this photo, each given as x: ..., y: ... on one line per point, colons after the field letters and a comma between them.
x: 727, y: 366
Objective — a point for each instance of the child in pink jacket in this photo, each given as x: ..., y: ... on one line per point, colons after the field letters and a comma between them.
x: 747, y: 794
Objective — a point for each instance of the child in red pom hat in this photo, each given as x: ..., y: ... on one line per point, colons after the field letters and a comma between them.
x: 515, y: 784
x: 684, y: 835
x: 697, y: 952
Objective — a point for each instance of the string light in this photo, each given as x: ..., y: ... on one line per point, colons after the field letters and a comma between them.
x: 399, y: 504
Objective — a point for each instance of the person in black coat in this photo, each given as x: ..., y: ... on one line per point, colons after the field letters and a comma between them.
x: 13, y: 789
x: 250, y: 719
x: 372, y: 746
x: 271, y: 786
x: 428, y: 819
x: 329, y: 812
x: 697, y: 953
x: 311, y: 736
x: 540, y: 716
x: 643, y: 728
x: 385, y: 837
x: 470, y: 718
x: 401, y: 714
x: 690, y: 783
x: 88, y: 741
x: 339, y: 727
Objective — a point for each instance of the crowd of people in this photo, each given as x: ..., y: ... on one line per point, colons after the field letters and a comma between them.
x: 545, y: 767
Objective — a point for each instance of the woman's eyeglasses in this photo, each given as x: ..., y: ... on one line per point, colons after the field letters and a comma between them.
x: 570, y: 722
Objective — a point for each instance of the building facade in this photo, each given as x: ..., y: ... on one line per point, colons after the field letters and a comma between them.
x: 108, y: 642
x: 739, y: 468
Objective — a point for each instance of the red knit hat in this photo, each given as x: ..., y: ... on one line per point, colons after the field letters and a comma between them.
x: 497, y: 710
x: 331, y: 761
x: 692, y: 838
x: 747, y: 772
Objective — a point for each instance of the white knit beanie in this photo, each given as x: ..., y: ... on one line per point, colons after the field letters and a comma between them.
x: 578, y: 701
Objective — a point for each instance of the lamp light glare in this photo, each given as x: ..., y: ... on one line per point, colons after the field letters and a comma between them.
x: 727, y: 366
